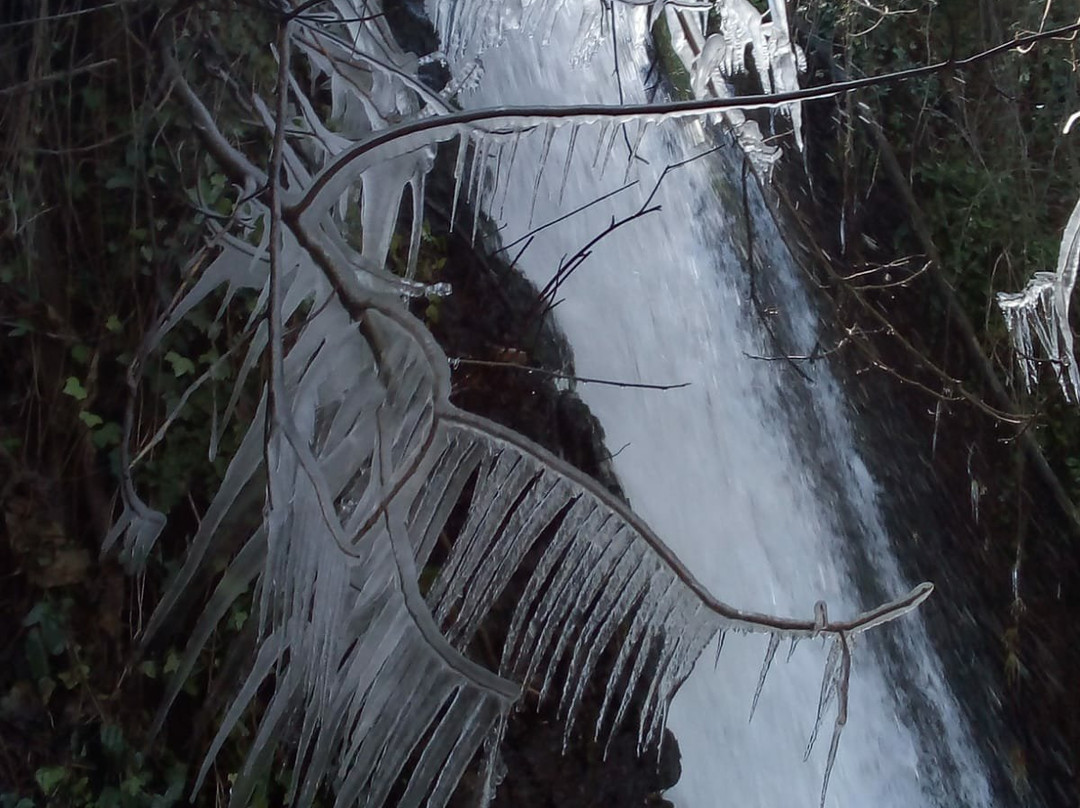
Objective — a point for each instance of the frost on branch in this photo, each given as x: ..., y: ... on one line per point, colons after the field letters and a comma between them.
x: 1039, y: 316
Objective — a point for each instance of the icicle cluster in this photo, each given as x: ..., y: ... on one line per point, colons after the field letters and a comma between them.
x: 470, y: 27
x: 362, y: 466
x: 597, y: 573
x: 1042, y: 311
x: 777, y: 62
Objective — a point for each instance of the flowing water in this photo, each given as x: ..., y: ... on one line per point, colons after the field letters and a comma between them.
x: 752, y: 474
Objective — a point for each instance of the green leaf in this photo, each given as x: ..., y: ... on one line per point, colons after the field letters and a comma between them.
x: 181, y: 365
x: 15, y: 801
x: 91, y: 419
x: 113, y: 324
x: 108, y: 434
x: 172, y: 661
x: 49, y: 778
x: 110, y: 797
x: 237, y: 618
x: 133, y: 785
x: 22, y: 326
x: 49, y: 623
x: 177, y: 780
x: 36, y: 655
x: 92, y: 97
x: 80, y: 353
x: 112, y: 739
x: 73, y: 387
x: 75, y: 676
x: 46, y: 686
x: 121, y: 179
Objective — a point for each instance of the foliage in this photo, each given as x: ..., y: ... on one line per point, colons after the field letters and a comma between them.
x: 983, y: 149
x: 106, y: 198
x: 993, y: 178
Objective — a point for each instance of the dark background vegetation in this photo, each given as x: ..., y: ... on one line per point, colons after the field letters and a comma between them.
x: 105, y: 197
x: 950, y: 189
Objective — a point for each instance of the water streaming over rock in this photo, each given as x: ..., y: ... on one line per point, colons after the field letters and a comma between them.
x: 752, y: 473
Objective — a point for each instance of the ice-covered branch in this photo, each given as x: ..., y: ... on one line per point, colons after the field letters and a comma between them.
x: 1042, y: 309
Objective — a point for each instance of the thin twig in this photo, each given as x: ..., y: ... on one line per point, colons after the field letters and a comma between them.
x: 570, y: 265
x: 564, y: 217
x: 488, y: 363
x: 32, y: 84
x: 63, y: 15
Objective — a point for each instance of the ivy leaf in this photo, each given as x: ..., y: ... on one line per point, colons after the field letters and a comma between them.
x: 107, y: 435
x: 73, y: 387
x: 113, y: 324
x: 112, y: 739
x: 80, y: 353
x: 172, y: 661
x: 91, y: 419
x: 181, y: 365
x: 49, y: 778
x: 133, y: 785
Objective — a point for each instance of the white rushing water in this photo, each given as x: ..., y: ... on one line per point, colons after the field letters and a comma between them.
x: 717, y: 468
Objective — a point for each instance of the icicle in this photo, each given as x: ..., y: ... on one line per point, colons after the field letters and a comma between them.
x: 492, y: 469
x: 692, y: 627
x: 653, y: 638
x: 479, y: 163
x: 523, y: 618
x: 496, y: 179
x: 937, y: 422
x: 656, y: 593
x: 589, y: 35
x: 509, y: 172
x: 616, y: 600
x: 494, y: 769
x: 719, y: 647
x: 530, y: 518
x: 976, y: 487
x: 506, y: 482
x: 418, y: 186
x: 438, y: 499
x: 570, y: 575
x: 791, y: 650
x: 480, y: 147
x: 612, y: 134
x: 1043, y: 306
x: 569, y: 159
x: 642, y: 127
x: 601, y: 139
x: 828, y: 690
x: 770, y: 652
x: 602, y: 550
x: 843, y: 677
x: 459, y: 171
x: 545, y: 149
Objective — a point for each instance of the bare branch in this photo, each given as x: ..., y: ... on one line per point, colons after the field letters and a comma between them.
x: 554, y: 374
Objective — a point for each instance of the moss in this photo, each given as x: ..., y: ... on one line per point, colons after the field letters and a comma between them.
x: 671, y: 64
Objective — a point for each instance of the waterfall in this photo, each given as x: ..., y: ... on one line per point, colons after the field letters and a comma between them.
x: 752, y: 473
